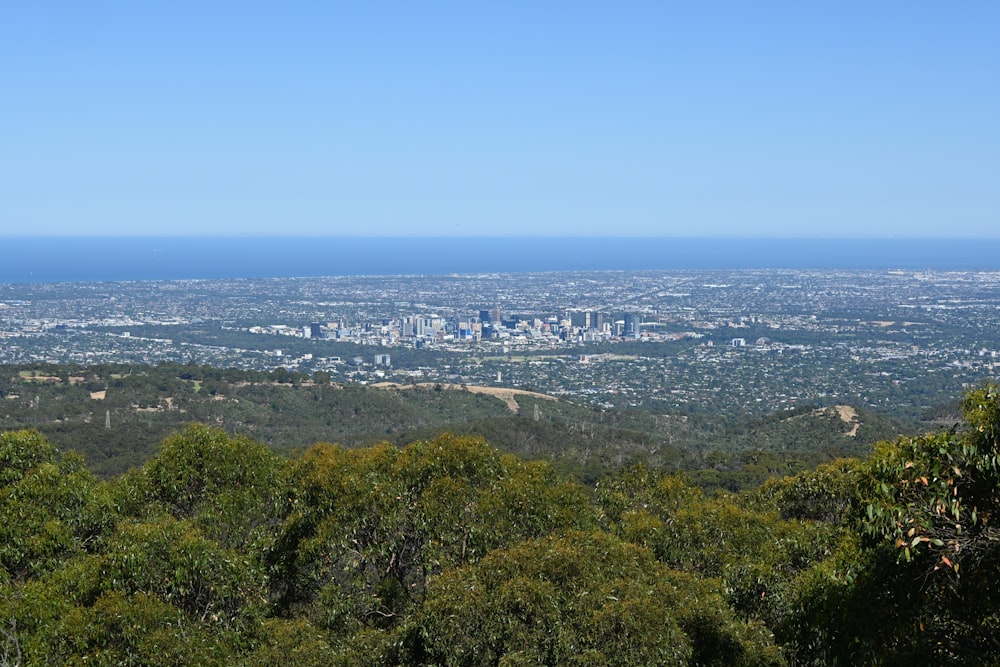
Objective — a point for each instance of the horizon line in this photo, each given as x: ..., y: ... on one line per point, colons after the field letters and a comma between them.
x: 647, y: 237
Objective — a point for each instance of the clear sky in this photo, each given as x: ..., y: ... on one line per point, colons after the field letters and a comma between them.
x: 500, y: 118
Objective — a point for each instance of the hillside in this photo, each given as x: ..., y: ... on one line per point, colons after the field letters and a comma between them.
x: 219, y: 552
x: 117, y: 416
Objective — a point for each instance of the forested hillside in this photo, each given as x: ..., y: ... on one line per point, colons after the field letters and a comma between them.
x: 117, y: 415
x: 218, y: 551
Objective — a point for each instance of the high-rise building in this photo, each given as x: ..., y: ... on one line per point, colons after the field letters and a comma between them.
x: 632, y: 322
x: 587, y: 319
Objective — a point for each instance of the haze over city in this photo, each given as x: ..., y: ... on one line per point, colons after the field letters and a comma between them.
x: 521, y: 119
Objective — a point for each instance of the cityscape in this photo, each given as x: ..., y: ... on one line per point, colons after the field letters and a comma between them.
x: 730, y: 342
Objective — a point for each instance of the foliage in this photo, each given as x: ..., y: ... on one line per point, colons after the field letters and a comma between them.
x: 173, y: 561
x: 228, y: 485
x: 132, y: 630
x: 447, y: 552
x: 366, y: 528
x: 935, y: 497
x: 755, y: 552
x: 928, y: 519
x: 21, y: 452
x: 51, y: 506
x: 295, y: 642
x: 117, y: 415
x: 913, y: 573
x: 581, y: 599
x: 828, y: 492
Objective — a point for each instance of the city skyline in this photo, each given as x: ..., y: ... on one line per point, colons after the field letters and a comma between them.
x: 449, y: 120
x: 753, y: 341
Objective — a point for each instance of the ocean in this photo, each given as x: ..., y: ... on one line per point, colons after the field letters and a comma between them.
x: 90, y: 259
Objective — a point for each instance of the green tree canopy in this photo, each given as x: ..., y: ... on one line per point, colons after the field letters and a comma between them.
x: 366, y: 528
x: 585, y: 598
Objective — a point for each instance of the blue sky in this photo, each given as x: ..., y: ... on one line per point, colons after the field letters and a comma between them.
x: 515, y: 118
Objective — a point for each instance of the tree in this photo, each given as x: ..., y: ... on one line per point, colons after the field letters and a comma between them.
x: 755, y: 552
x: 10, y: 641
x: 585, y: 598
x: 139, y: 630
x: 366, y: 529
x: 51, y: 506
x: 921, y: 582
x: 228, y: 485
x: 934, y: 503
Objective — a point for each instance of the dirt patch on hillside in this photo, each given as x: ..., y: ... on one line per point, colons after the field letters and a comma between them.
x: 506, y: 395
x: 850, y: 416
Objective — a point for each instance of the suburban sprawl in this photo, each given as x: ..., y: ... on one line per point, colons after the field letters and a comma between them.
x: 736, y: 342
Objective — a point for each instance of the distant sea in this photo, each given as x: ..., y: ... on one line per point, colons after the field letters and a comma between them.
x: 35, y: 259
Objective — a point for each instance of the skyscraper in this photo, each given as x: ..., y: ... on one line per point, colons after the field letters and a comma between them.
x: 632, y: 322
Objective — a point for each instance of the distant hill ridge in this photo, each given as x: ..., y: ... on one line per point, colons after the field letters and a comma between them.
x: 117, y: 416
